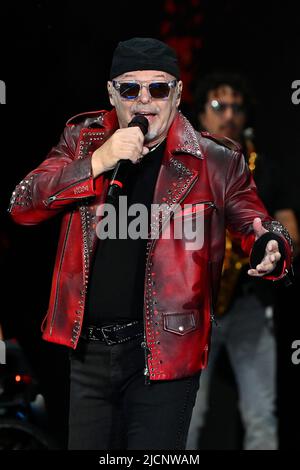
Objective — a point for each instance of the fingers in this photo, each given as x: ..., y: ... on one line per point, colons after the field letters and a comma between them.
x: 140, y: 157
x: 259, y: 272
x: 129, y: 144
x: 268, y: 263
x: 257, y: 223
x: 254, y: 273
x: 130, y: 135
x: 272, y: 254
x: 145, y: 151
x: 124, y: 144
x: 272, y: 246
x: 275, y: 256
x: 266, y: 266
x: 259, y: 230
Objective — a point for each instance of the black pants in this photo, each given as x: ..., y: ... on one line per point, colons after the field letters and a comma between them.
x: 112, y: 408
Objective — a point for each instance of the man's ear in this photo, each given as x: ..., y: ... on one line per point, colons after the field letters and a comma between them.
x: 179, y: 92
x: 110, y: 93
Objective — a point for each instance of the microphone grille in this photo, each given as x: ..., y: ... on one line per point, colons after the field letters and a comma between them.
x: 140, y: 121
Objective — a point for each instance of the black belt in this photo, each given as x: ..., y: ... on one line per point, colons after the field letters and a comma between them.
x: 113, y: 334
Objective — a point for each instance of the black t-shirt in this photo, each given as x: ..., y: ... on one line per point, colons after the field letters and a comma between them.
x: 116, y: 287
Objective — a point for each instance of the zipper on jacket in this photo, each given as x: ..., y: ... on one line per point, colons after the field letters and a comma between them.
x: 212, y: 315
x: 55, y: 197
x: 59, y: 272
x: 144, y: 344
x: 146, y: 351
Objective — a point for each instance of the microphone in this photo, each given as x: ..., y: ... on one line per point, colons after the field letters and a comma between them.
x: 123, y: 166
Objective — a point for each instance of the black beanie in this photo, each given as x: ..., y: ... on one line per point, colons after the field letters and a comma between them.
x: 143, y: 54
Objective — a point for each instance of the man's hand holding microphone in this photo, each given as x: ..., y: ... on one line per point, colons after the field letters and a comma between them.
x: 124, y: 144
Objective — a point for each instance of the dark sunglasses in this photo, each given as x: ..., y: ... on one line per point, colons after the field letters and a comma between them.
x: 132, y: 90
x: 221, y: 107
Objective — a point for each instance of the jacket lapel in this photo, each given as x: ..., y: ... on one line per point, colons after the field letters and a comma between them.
x: 179, y: 170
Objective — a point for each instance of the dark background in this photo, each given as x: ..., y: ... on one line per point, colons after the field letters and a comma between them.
x: 55, y: 62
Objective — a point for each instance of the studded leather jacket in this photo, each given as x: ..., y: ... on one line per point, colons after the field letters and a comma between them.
x: 201, y: 177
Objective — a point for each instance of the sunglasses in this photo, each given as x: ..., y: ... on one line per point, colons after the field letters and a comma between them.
x: 132, y: 90
x: 221, y: 107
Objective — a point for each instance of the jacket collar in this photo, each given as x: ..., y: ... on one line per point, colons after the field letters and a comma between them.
x: 182, y: 137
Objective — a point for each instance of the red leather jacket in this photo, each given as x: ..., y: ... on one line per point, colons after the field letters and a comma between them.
x: 180, y: 285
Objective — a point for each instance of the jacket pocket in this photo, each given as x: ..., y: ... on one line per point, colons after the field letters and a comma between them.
x: 196, y: 209
x: 179, y: 323
x: 192, y: 224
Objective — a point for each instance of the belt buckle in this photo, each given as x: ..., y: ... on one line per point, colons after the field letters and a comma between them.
x: 108, y: 341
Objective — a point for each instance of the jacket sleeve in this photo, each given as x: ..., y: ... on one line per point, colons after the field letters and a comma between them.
x: 242, y: 205
x: 57, y: 182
